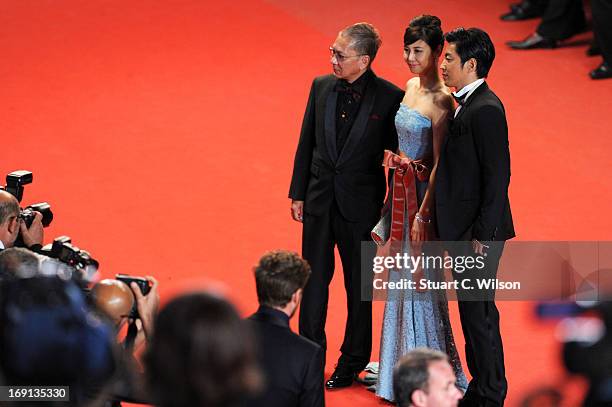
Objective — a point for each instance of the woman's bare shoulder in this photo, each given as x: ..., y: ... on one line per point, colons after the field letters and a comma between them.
x: 443, y: 100
x: 412, y: 82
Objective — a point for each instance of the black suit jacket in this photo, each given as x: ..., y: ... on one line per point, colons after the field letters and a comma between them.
x: 473, y: 173
x: 353, y: 177
x: 293, y: 365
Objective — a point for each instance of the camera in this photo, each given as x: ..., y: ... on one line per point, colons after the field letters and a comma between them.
x: 79, y: 260
x: 143, y: 285
x: 27, y: 214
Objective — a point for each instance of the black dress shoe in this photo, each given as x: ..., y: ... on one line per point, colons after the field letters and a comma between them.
x: 523, y: 11
x: 593, y: 50
x: 603, y: 71
x: 534, y: 41
x: 340, y: 379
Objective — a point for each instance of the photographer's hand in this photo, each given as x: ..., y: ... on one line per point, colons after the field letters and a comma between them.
x: 140, y: 336
x: 33, y: 235
x: 147, y: 305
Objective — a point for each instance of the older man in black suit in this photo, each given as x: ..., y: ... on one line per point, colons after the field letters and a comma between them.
x: 292, y: 365
x: 472, y: 203
x: 338, y: 186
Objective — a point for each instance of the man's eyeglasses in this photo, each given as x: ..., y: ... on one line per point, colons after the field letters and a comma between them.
x: 340, y: 57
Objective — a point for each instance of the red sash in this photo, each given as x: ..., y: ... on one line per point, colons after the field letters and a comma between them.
x: 404, y: 197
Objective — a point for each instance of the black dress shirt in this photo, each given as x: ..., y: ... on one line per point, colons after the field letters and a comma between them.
x: 347, y: 107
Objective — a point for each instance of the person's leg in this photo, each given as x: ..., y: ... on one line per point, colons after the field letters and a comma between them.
x: 602, y: 15
x: 562, y: 19
x: 480, y: 324
x: 318, y: 250
x: 484, y: 352
x: 525, y: 10
x: 357, y: 345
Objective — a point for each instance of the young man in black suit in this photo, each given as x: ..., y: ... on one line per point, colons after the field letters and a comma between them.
x: 338, y: 187
x: 472, y: 203
x: 292, y: 365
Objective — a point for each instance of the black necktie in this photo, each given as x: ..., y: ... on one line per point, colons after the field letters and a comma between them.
x: 459, y: 99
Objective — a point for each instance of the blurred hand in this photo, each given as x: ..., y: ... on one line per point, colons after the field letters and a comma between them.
x: 147, y: 305
x: 140, y: 335
x: 297, y: 211
x: 34, y: 234
x: 479, y: 248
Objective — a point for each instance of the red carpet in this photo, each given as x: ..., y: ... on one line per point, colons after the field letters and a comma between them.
x: 163, y: 134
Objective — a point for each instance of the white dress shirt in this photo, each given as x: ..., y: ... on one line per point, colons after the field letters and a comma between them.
x: 467, y: 90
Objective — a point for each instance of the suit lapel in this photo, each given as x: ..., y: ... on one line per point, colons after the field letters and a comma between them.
x: 330, y: 123
x: 361, y: 121
x: 451, y: 133
x: 455, y: 123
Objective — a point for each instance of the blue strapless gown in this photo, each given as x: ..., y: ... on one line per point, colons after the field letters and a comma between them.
x: 414, y: 319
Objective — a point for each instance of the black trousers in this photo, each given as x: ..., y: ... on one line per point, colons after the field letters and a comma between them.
x: 320, y: 235
x: 480, y: 324
x: 562, y: 19
x: 538, y: 4
x: 602, y: 27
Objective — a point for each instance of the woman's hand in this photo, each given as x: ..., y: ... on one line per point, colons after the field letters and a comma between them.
x: 401, y: 163
x: 421, y: 231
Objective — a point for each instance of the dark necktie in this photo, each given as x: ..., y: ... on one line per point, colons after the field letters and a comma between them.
x: 459, y: 99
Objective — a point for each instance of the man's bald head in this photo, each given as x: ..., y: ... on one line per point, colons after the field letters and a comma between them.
x: 9, y: 206
x: 114, y: 298
x: 9, y: 221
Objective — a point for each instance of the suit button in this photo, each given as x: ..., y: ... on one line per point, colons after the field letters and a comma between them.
x: 337, y: 171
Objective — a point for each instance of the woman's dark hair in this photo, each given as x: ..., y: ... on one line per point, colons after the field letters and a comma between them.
x: 473, y: 43
x: 427, y: 28
x: 201, y: 354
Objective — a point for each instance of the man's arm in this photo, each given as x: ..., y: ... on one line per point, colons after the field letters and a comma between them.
x: 303, y: 158
x: 490, y: 132
x: 312, y: 394
x: 303, y: 154
x: 391, y: 139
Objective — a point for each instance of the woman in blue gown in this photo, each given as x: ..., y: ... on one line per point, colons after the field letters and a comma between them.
x: 419, y: 318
